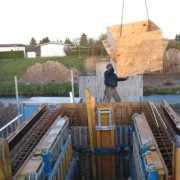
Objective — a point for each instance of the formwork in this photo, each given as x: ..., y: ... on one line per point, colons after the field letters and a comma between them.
x: 110, y: 157
x: 52, y: 157
x: 135, y: 48
x: 97, y: 141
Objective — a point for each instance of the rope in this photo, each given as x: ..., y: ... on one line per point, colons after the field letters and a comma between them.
x: 122, y: 16
x: 121, y: 19
x: 147, y: 9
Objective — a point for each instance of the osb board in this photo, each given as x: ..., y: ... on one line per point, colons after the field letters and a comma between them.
x: 153, y: 158
x: 138, y: 50
x: 132, y: 28
x: 147, y: 57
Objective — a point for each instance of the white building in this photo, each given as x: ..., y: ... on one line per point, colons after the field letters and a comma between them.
x: 31, y: 54
x: 52, y: 49
x: 12, y: 47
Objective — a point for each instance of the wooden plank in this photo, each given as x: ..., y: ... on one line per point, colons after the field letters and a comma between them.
x: 153, y: 158
x: 8, y: 161
x: 32, y: 165
x: 2, y: 174
x: 138, y: 50
x: 143, y: 129
x: 176, y: 163
x: 107, y: 167
x: 91, y: 131
x: 5, y: 163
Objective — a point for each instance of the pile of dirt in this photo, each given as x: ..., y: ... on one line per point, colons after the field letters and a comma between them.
x: 170, y: 74
x: 90, y: 64
x: 171, y: 61
x: 49, y: 72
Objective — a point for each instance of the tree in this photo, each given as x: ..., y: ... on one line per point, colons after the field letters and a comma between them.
x: 44, y: 40
x: 75, y: 42
x: 67, y: 41
x: 83, y: 40
x: 33, y: 42
x: 177, y: 38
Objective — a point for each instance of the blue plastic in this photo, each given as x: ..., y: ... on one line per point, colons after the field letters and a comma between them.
x: 47, y: 163
x: 153, y: 175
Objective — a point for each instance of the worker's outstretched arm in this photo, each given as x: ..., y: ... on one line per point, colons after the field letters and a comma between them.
x: 122, y: 79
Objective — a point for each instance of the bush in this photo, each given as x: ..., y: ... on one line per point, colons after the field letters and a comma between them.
x: 11, y: 54
x: 8, y: 89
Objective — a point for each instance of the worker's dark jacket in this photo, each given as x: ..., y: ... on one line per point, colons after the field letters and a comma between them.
x: 110, y: 78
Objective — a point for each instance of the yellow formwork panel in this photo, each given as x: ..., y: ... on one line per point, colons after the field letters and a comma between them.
x: 154, y: 158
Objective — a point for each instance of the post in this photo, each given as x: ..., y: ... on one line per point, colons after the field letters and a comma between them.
x: 79, y: 52
x: 17, y: 94
x: 72, y: 84
x: 71, y: 97
x: 89, y: 104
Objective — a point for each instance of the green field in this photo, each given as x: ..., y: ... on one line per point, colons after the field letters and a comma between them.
x: 17, y: 67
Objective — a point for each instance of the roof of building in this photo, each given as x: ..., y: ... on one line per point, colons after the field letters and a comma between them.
x: 12, y: 45
x: 52, y: 43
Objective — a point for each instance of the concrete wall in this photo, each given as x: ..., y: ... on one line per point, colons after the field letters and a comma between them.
x: 130, y: 90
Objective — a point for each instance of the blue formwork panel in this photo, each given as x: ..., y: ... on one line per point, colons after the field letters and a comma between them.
x: 123, y: 136
x: 32, y: 104
x: 53, y: 142
x: 28, y: 110
x: 80, y: 136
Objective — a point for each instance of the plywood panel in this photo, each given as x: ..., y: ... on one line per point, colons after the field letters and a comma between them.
x: 139, y: 48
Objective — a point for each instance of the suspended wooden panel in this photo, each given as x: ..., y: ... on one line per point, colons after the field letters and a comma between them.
x: 137, y: 48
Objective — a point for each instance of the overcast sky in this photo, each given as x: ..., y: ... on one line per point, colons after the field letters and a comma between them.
x: 57, y: 19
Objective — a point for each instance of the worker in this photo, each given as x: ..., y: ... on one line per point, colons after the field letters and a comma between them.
x: 111, y: 82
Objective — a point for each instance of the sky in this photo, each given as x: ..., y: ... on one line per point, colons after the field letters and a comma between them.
x: 57, y: 19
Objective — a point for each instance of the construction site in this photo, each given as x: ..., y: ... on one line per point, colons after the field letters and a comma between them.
x: 91, y: 139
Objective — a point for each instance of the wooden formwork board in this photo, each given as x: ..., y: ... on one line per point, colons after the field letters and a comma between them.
x: 122, y: 112
x: 5, y: 162
x: 137, y: 49
x: 176, y: 162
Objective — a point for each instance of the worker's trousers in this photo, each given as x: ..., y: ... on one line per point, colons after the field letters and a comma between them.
x: 111, y: 92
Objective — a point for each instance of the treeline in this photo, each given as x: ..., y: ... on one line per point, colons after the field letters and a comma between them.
x: 78, y: 46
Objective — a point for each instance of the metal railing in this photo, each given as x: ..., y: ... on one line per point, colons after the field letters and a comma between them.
x: 10, y: 127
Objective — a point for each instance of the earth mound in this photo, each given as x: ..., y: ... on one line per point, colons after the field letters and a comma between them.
x: 49, y: 72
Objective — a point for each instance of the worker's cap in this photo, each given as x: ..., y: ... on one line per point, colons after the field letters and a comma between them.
x: 108, y: 65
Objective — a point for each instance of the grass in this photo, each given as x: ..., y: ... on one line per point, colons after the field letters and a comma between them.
x: 167, y: 90
x: 18, y: 67
x: 8, y: 89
